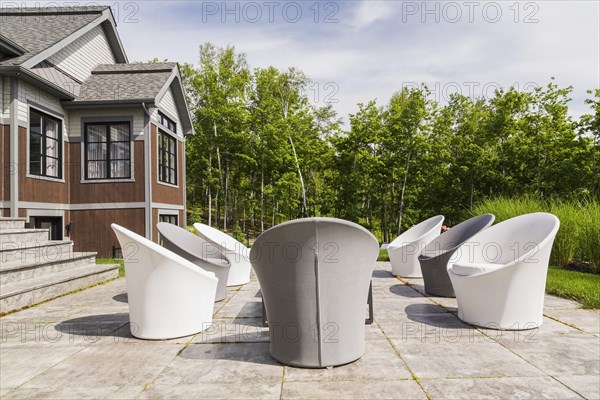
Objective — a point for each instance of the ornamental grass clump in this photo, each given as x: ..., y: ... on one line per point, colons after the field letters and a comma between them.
x: 577, y: 244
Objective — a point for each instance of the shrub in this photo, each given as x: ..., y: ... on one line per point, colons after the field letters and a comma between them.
x: 578, y: 239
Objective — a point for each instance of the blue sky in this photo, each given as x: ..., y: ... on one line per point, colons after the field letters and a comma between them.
x: 356, y: 51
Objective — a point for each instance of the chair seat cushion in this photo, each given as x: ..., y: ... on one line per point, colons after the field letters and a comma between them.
x: 473, y: 268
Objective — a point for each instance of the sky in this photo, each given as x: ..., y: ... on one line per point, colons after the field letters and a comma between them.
x: 357, y: 51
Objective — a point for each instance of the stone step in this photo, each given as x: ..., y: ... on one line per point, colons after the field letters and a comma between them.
x: 11, y: 223
x: 34, y: 267
x: 22, y: 235
x: 32, y: 291
x: 43, y: 250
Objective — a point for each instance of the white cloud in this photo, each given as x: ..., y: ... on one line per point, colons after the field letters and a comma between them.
x: 370, y: 11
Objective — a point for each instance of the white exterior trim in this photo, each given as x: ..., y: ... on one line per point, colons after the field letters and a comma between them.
x: 167, y: 206
x: 166, y: 211
x: 80, y: 207
x: 14, y: 147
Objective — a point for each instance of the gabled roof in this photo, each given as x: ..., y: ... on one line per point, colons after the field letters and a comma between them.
x: 128, y: 84
x: 125, y: 82
x: 40, y: 32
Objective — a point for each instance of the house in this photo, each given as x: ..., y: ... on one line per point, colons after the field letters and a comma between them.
x: 87, y: 138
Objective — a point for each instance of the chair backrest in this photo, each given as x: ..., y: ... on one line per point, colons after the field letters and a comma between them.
x: 314, y: 274
x: 419, y: 231
x: 457, y: 235
x: 511, y: 240
x: 221, y: 239
x: 186, y: 244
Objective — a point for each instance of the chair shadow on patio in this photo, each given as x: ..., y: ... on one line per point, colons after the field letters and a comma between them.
x: 255, y: 353
x: 121, y: 298
x: 434, y: 315
x: 404, y: 291
x: 382, y: 274
x: 100, y: 325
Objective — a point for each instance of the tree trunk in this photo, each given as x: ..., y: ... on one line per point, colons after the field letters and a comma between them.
x: 304, y: 206
x: 402, y: 193
x: 262, y: 191
x: 225, y: 198
x: 209, y: 191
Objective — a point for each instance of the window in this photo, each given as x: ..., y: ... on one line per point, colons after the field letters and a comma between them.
x: 171, y: 219
x: 167, y: 158
x: 45, y: 145
x: 107, y: 150
x: 167, y: 122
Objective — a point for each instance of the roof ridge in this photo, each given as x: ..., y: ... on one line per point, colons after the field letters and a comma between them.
x: 39, y: 10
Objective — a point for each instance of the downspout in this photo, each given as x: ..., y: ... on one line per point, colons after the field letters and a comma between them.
x: 184, y: 182
x: 14, y: 148
x: 147, y: 172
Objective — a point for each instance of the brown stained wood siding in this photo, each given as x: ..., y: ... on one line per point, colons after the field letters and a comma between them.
x: 41, y: 190
x: 108, y: 192
x: 5, y: 167
x: 5, y: 212
x: 92, y: 231
x: 154, y: 222
x: 163, y: 193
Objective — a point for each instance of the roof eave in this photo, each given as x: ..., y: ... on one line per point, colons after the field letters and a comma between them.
x: 104, y: 103
x: 104, y: 19
x: 25, y: 74
x: 186, y: 119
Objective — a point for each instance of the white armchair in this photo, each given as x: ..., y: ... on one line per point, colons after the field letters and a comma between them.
x: 499, y: 276
x: 405, y: 249
x: 168, y: 296
x: 237, y: 254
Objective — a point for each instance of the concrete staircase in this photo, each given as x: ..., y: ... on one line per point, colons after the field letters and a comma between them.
x: 34, y: 269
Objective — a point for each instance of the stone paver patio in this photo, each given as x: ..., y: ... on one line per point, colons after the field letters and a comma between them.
x: 79, y: 346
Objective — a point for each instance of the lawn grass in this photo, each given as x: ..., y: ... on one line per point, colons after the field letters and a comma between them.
x: 113, y: 261
x: 383, y: 255
x: 580, y: 286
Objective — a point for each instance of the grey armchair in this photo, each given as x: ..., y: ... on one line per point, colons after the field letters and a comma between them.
x: 435, y: 256
x: 198, y: 251
x: 314, y: 275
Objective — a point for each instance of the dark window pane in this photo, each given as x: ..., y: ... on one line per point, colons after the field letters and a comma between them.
x: 51, y: 130
x: 96, y: 151
x: 119, y: 169
x: 119, y: 151
x: 35, y: 164
x: 119, y: 133
x: 52, y: 167
x: 35, y: 145
x: 96, y: 133
x: 35, y: 123
x: 96, y: 169
x: 45, y: 141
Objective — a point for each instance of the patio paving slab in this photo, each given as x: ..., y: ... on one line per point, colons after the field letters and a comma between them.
x: 586, y: 320
x: 353, y: 390
x: 498, y: 388
x: 80, y: 346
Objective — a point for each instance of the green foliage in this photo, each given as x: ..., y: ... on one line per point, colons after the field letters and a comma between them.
x: 579, y: 235
x: 383, y: 255
x: 579, y: 286
x: 113, y: 261
x: 262, y: 154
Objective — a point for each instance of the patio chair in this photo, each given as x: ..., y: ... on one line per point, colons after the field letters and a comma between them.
x: 314, y: 274
x: 198, y: 251
x: 168, y: 296
x: 405, y: 249
x: 435, y: 256
x: 501, y: 283
x: 236, y: 253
